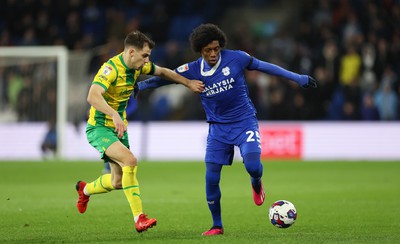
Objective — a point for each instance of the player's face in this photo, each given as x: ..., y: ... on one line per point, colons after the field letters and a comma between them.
x: 139, y: 57
x: 210, y: 53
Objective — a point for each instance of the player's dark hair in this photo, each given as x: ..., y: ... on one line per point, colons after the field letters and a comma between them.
x: 138, y: 39
x: 204, y: 35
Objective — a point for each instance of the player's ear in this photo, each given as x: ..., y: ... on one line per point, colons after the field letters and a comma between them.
x: 132, y: 51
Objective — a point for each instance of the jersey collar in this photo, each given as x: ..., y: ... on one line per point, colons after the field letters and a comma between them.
x: 123, y: 62
x: 212, y: 70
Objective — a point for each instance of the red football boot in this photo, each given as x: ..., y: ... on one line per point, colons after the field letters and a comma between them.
x: 83, y: 200
x: 214, y: 231
x: 143, y: 223
x: 260, y: 196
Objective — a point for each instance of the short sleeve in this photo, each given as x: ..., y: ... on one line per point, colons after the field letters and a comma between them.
x: 105, y: 76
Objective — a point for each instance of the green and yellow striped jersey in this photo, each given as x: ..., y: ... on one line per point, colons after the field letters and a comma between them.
x: 118, y: 81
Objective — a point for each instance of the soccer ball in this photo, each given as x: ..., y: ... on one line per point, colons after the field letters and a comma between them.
x: 282, y: 214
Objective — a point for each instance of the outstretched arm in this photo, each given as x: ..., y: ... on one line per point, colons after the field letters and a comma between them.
x: 304, y: 81
x: 165, y: 73
x: 153, y: 82
x: 150, y: 83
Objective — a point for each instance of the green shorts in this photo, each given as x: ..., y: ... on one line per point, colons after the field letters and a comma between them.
x: 101, y: 137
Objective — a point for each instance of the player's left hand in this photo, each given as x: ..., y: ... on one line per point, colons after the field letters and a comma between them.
x: 311, y: 83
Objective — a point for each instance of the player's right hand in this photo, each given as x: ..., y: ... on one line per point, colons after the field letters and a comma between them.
x: 196, y: 86
x: 120, y: 127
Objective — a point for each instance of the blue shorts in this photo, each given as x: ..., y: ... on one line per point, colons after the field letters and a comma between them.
x: 223, y: 137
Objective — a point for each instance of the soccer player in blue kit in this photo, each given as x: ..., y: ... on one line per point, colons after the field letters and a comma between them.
x: 230, y: 113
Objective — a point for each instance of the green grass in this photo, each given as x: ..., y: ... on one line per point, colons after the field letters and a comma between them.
x: 337, y: 202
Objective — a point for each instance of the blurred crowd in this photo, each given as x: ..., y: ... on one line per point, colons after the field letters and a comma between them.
x: 351, y: 47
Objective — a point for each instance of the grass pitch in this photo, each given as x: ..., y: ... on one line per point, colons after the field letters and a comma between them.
x: 337, y: 202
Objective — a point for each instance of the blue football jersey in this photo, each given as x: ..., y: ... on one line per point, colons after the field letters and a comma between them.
x: 226, y: 96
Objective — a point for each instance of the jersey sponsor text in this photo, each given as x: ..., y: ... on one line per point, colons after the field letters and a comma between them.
x: 219, y: 87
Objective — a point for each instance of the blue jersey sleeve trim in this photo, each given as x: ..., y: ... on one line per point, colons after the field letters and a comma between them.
x: 250, y: 63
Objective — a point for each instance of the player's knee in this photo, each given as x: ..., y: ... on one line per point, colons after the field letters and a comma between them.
x: 130, y: 160
x: 254, y: 169
x: 213, y: 173
x: 253, y: 164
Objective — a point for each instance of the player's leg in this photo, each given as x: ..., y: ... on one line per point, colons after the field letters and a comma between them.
x: 217, y: 155
x: 120, y: 154
x: 254, y: 167
x: 116, y: 174
x: 103, y: 183
x: 250, y: 149
x: 213, y: 195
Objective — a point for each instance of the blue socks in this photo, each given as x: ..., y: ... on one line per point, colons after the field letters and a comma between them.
x: 254, y: 167
x: 213, y: 192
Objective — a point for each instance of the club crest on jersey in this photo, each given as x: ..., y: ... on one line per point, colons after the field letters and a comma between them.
x: 226, y: 71
x: 107, y: 70
x: 183, y: 68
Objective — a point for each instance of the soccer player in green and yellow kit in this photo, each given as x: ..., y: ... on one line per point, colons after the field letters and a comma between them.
x: 107, y: 125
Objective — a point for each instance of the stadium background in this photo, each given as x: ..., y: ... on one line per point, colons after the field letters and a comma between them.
x: 351, y: 47
x: 337, y: 201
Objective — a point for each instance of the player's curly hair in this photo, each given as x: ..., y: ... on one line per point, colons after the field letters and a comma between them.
x: 138, y: 39
x: 204, y: 35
